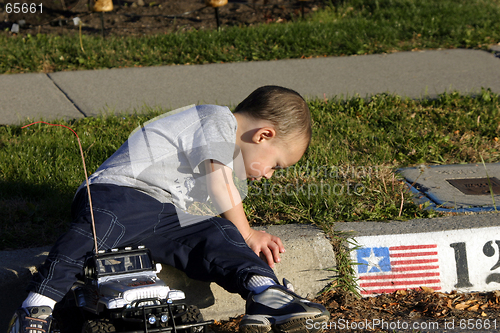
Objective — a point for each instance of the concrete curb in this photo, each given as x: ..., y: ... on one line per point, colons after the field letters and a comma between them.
x: 456, y: 222
x: 308, y: 256
x: 16, y: 268
x: 452, y: 253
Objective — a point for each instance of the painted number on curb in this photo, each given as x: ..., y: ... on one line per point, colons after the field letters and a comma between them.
x: 461, y: 263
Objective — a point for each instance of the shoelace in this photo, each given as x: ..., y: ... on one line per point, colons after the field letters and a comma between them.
x: 38, y: 328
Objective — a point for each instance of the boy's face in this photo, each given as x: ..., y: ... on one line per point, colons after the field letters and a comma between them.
x: 262, y: 158
x: 262, y: 151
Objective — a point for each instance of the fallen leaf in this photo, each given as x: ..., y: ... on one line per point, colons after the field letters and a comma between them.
x: 461, y: 306
x: 473, y: 308
x: 427, y: 289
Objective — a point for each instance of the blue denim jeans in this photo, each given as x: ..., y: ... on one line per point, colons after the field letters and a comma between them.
x: 211, y: 250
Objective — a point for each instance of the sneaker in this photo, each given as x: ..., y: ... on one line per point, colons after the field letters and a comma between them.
x: 279, y: 309
x: 35, y: 319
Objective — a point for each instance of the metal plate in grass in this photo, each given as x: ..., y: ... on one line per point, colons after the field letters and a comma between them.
x: 456, y: 188
x: 477, y: 186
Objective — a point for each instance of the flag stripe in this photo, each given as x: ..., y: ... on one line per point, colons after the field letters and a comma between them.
x: 412, y: 247
x: 398, y: 276
x: 412, y: 254
x: 398, y: 283
x: 411, y: 262
x: 413, y: 268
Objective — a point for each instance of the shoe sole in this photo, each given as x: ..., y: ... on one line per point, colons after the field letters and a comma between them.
x: 304, y: 324
x: 255, y: 329
x: 255, y: 324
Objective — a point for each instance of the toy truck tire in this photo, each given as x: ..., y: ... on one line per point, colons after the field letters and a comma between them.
x: 192, y: 315
x: 98, y: 326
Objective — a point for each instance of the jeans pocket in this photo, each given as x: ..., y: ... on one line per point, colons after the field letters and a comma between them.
x: 108, y: 229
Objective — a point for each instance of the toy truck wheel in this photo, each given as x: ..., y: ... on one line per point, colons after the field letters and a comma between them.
x: 98, y: 326
x: 193, y: 315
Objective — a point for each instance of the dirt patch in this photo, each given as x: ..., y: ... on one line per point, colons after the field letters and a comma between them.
x: 144, y: 17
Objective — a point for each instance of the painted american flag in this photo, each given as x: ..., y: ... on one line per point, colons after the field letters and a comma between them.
x: 391, y: 268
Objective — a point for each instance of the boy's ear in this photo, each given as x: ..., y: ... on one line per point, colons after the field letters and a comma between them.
x: 263, y: 133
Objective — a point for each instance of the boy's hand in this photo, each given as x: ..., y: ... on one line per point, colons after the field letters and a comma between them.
x: 266, y: 245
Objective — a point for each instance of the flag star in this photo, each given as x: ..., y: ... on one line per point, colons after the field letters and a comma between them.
x: 373, y: 261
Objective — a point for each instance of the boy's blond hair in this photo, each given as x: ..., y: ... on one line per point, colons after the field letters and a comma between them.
x: 282, y: 107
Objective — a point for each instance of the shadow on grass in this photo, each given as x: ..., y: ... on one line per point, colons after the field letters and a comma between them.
x: 32, y: 215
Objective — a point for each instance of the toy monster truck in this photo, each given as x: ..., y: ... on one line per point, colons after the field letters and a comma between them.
x: 120, y: 291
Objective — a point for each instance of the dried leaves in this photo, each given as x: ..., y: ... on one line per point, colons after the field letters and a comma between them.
x: 422, y: 305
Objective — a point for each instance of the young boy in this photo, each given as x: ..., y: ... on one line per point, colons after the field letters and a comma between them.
x: 141, y: 193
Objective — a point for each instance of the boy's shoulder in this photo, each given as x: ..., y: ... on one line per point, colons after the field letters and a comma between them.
x: 194, y: 113
x: 215, y: 111
x: 214, y: 121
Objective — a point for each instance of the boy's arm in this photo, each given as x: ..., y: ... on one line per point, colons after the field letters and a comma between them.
x: 227, y: 199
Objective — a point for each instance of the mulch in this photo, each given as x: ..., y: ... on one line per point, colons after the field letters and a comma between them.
x: 148, y: 17
x: 421, y: 310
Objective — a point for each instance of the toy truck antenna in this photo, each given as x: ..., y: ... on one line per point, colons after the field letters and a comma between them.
x: 96, y: 250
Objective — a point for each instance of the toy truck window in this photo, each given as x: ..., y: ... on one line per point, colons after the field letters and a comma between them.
x: 123, y: 264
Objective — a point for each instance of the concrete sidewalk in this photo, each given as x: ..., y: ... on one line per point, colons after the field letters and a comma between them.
x: 87, y: 93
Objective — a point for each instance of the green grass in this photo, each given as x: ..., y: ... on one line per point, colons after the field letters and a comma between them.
x: 346, y: 28
x: 347, y: 174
